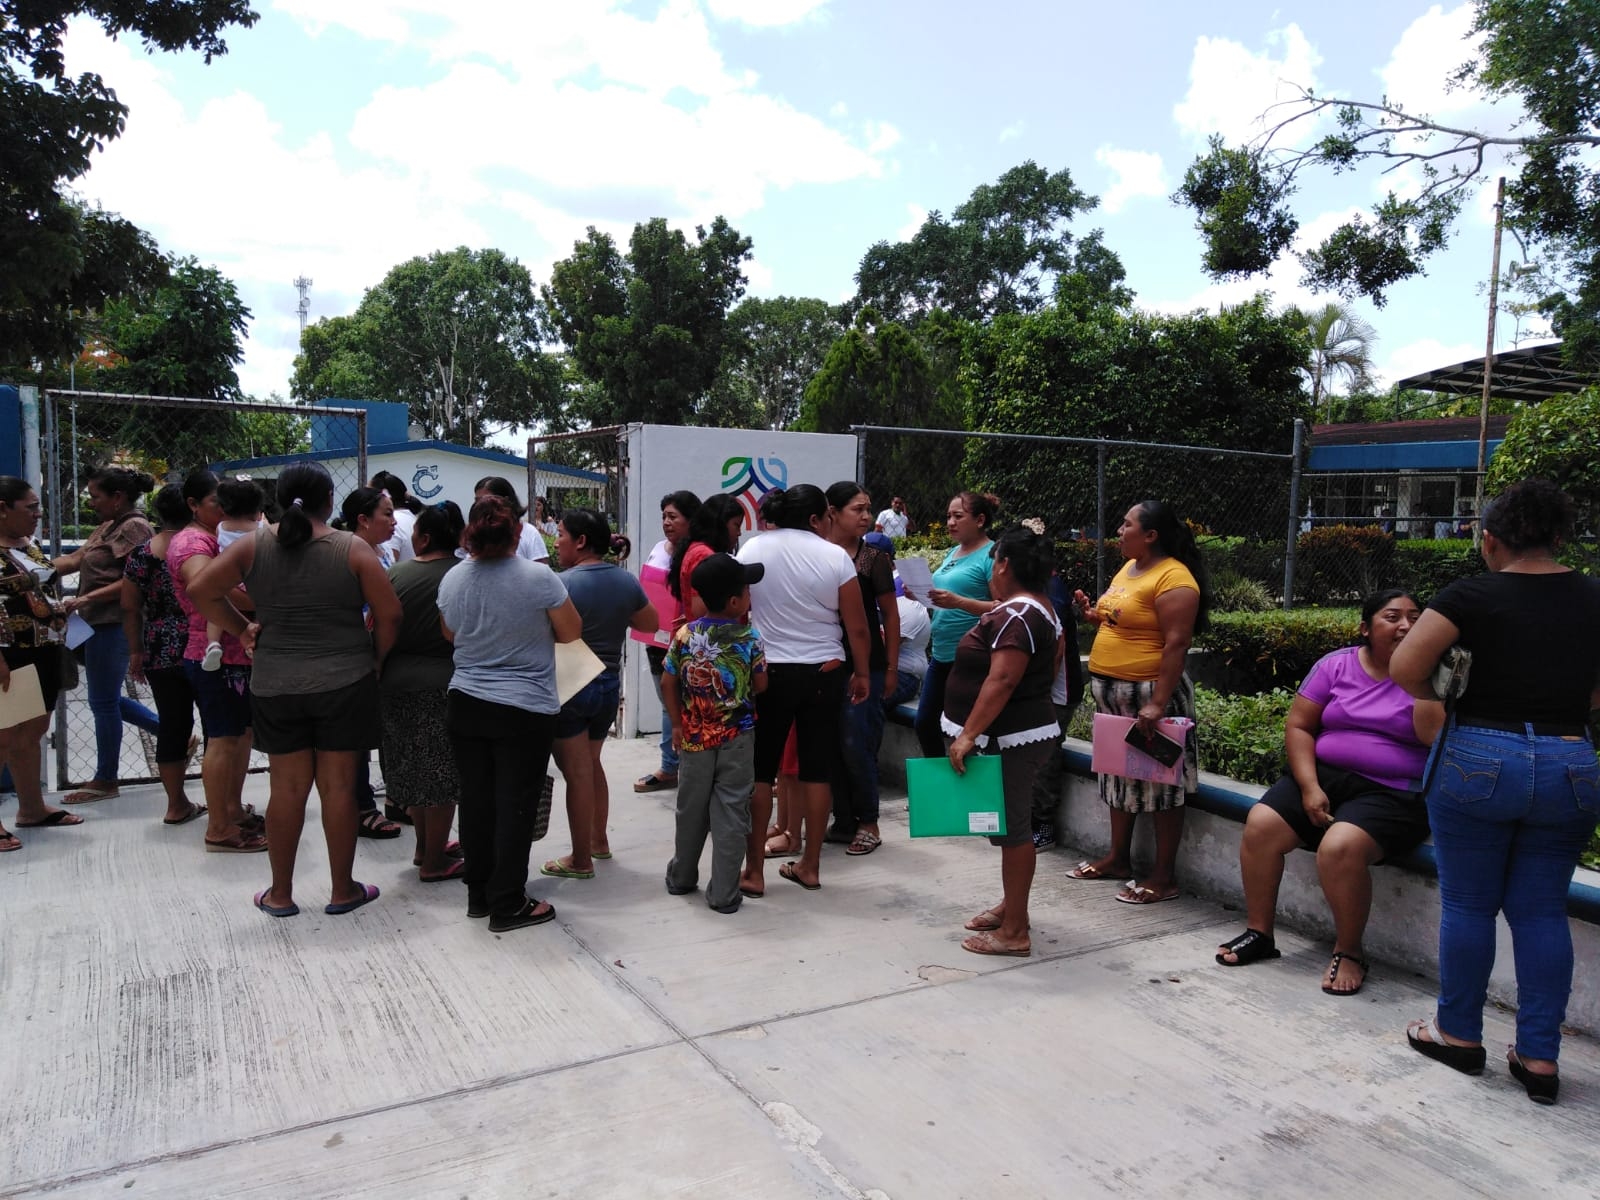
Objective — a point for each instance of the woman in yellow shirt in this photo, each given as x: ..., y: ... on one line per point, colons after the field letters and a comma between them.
x: 1147, y: 618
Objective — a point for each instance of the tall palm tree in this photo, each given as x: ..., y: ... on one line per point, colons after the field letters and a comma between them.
x: 1341, y: 346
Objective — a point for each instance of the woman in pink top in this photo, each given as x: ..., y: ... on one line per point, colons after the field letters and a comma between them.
x: 1357, y: 745
x: 223, y: 696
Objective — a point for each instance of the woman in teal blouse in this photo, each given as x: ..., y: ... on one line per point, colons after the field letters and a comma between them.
x: 959, y: 597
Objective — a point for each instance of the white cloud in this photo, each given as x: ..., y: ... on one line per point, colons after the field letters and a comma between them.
x: 1230, y: 87
x: 760, y: 278
x: 602, y: 118
x: 915, y: 216
x: 1426, y: 354
x: 1134, y: 173
x: 1418, y: 72
x: 765, y: 12
x: 1013, y: 131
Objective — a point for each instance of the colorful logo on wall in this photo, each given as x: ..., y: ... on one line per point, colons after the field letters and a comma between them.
x: 429, y: 489
x: 747, y: 480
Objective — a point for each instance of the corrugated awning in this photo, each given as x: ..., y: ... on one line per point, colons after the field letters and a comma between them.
x: 1531, y: 374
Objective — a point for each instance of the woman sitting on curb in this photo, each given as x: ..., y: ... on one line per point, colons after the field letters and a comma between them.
x: 1357, y: 745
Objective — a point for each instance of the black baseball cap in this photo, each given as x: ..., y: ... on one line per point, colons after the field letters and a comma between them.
x: 721, y: 577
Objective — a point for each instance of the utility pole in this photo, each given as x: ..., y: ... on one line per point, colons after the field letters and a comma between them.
x: 303, y: 285
x: 1488, y: 361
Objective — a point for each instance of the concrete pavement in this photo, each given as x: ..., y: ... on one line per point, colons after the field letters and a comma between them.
x: 165, y: 1038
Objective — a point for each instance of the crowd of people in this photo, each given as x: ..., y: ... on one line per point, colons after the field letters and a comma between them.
x: 776, y: 653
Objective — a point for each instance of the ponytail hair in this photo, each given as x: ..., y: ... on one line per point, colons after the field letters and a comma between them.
x: 363, y: 502
x: 1030, y: 556
x: 441, y: 524
x: 396, y: 487
x: 119, y: 481
x: 499, y: 485
x: 491, y: 529
x: 170, y: 508
x: 1176, y: 540
x: 799, y: 505
x: 709, y: 525
x: 305, y: 491
x: 595, y: 531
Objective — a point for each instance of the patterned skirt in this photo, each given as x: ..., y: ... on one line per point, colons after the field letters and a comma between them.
x: 419, y: 769
x: 1124, y: 698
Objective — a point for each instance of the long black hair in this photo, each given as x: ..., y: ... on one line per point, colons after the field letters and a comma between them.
x: 305, y: 490
x: 799, y: 505
x: 1176, y: 540
x: 499, y: 485
x: 708, y: 525
x: 442, y: 524
x: 1031, y: 556
x: 596, y: 533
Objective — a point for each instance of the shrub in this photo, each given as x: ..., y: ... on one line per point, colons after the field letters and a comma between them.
x: 1424, y: 566
x: 1248, y: 558
x: 1242, y: 736
x: 1237, y: 593
x: 1342, y: 563
x: 1277, y: 649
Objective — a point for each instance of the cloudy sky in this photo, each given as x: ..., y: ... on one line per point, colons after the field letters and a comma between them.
x: 340, y: 137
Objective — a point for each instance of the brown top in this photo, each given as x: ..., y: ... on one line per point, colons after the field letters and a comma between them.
x: 104, y: 555
x: 313, y: 632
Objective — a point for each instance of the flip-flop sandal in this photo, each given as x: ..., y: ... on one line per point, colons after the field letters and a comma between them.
x: 454, y: 871
x: 654, y: 782
x: 602, y: 855
x: 555, y: 870
x: 985, y: 921
x: 1249, y: 947
x: 90, y: 795
x: 195, y: 810
x: 864, y: 843
x: 1469, y: 1060
x: 1087, y: 870
x: 751, y: 893
x: 52, y: 819
x: 238, y: 842
x: 787, y: 871
x: 286, y: 910
x: 451, y: 850
x: 984, y: 943
x: 9, y: 841
x: 787, y: 848
x: 375, y: 825
x: 1139, y: 894
x: 1340, y: 956
x: 369, y: 893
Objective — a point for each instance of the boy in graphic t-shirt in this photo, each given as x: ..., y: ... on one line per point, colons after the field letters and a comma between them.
x: 712, y: 674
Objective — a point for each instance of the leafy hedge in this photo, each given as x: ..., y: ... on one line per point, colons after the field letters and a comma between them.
x: 1277, y: 649
x: 1240, y: 736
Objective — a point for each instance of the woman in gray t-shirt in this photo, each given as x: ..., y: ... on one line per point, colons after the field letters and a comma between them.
x: 504, y: 614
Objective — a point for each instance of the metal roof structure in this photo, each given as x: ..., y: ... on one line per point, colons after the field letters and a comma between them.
x: 1530, y: 374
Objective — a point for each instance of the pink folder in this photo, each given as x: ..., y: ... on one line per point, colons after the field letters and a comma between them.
x: 1113, y: 756
x: 654, y: 581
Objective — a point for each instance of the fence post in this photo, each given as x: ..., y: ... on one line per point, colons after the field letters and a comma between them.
x: 861, y: 459
x: 361, y: 448
x: 1100, y: 519
x: 1293, y: 535
x: 31, y: 470
x: 52, y: 502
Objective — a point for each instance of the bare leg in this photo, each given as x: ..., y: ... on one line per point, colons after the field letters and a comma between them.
x: 572, y: 759
x: 784, y: 832
x: 1119, y: 859
x: 433, y: 835
x: 754, y: 879
x: 817, y: 802
x: 22, y: 754
x: 222, y: 773
x: 1016, y: 879
x: 1267, y: 841
x: 336, y: 785
x: 291, y: 776
x: 172, y: 782
x: 600, y: 801
x: 1344, y: 862
x: 1169, y: 834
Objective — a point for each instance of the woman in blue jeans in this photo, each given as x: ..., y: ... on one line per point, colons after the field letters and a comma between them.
x: 1515, y: 793
x: 114, y: 495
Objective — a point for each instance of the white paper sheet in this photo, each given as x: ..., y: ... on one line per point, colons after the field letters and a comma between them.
x: 78, y: 631
x: 917, y: 576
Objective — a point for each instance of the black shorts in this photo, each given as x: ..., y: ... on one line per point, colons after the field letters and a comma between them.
x: 222, y: 696
x: 44, y: 659
x: 807, y: 697
x: 1396, y: 820
x: 347, y: 718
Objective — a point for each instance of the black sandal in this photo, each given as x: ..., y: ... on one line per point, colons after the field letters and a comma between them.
x: 1339, y: 956
x: 1542, y: 1089
x: 375, y: 825
x: 1249, y: 947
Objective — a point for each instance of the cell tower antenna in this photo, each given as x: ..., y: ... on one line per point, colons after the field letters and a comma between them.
x: 303, y: 285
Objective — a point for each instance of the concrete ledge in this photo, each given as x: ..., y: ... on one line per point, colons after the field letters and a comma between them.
x: 1404, y: 927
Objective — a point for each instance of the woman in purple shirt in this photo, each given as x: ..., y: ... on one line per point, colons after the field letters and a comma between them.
x: 1357, y: 745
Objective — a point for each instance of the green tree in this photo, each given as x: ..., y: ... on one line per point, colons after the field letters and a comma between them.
x: 881, y: 373
x: 774, y: 348
x: 1341, y: 347
x: 1005, y: 250
x: 650, y: 326
x: 1559, y: 440
x: 184, y: 338
x: 1546, y: 56
x: 60, y: 256
x: 1230, y: 379
x: 455, y: 336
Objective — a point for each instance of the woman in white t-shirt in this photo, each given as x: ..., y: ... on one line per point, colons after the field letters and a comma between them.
x: 809, y: 588
x: 406, y: 508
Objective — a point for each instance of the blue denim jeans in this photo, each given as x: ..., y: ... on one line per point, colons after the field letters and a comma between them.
x: 855, y: 781
x: 106, y: 665
x: 669, y: 755
x: 1510, y: 813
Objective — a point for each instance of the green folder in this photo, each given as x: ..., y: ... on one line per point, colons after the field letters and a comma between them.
x: 944, y: 804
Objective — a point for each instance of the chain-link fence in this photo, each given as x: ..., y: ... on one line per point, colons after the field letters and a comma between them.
x: 167, y: 437
x: 1237, y: 501
x: 579, y: 470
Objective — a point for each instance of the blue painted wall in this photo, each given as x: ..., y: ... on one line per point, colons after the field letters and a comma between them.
x: 386, y: 422
x: 1399, y: 456
x: 10, y: 431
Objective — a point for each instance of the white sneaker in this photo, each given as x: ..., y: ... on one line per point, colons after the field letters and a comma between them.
x: 213, y: 659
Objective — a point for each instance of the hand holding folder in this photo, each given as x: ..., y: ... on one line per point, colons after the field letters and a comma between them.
x: 944, y: 804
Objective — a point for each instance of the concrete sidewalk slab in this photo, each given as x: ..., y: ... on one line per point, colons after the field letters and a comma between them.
x: 165, y: 1038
